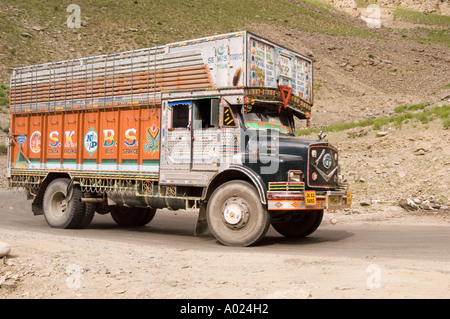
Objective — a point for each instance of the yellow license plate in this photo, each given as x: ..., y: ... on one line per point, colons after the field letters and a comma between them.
x: 334, y: 200
x: 310, y: 198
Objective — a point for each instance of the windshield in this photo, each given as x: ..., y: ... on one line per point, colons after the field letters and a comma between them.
x: 268, y: 117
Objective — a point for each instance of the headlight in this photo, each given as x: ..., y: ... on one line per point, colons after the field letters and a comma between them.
x: 295, y: 176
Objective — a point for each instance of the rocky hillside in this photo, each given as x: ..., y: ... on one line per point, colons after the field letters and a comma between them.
x: 362, y: 72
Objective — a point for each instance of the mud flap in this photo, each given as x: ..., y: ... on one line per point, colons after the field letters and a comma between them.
x: 36, y: 207
x: 201, y: 228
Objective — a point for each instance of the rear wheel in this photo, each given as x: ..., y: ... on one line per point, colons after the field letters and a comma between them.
x: 89, y: 213
x: 235, y: 214
x: 300, y: 225
x: 61, y: 210
x: 132, y: 216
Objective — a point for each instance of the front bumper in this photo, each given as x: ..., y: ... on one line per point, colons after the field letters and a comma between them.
x: 306, y: 200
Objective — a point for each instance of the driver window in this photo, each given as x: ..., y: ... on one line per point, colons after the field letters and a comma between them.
x: 204, y: 116
x: 180, y: 113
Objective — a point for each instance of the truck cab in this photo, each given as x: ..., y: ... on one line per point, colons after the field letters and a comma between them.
x: 251, y: 148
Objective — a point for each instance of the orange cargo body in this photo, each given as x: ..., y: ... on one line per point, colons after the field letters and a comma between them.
x: 114, y: 139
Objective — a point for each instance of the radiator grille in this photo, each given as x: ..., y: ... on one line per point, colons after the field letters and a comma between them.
x: 323, y: 166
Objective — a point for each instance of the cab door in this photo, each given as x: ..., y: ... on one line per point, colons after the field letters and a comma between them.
x: 189, y: 142
x: 178, y: 142
x: 205, y: 134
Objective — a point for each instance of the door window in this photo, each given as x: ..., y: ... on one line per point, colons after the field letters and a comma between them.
x: 206, y: 113
x: 180, y: 113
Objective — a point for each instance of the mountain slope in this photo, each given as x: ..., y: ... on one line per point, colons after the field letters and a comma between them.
x: 35, y: 32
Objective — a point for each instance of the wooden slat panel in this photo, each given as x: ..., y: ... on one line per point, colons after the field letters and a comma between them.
x: 65, y: 87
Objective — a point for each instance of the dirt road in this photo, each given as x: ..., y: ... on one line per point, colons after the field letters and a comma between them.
x: 362, y: 256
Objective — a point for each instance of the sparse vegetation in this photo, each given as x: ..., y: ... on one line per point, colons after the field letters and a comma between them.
x: 442, y: 112
x: 421, y: 17
x: 3, y: 149
x: 413, y: 107
x: 439, y: 37
x: 436, y: 32
x: 446, y: 123
x: 4, y: 95
x: 365, y: 3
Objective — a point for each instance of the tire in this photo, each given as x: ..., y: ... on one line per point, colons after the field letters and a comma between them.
x: 89, y: 212
x: 132, y: 216
x: 235, y: 214
x: 300, y: 225
x: 58, y: 212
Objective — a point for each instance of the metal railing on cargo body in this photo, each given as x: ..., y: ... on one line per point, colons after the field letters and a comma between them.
x: 114, y: 79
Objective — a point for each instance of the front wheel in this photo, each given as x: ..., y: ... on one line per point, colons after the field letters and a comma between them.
x: 235, y: 214
x: 300, y: 225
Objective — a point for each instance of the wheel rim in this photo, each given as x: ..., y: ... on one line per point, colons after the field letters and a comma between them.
x: 235, y: 213
x: 59, y: 204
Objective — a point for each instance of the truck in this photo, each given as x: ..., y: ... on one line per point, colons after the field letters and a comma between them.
x: 205, y: 125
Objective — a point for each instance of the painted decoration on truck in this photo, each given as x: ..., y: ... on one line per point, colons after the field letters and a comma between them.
x: 223, y: 55
x: 302, y: 79
x: 91, y: 141
x: 35, y: 142
x: 130, y: 137
x: 270, y: 65
x: 54, y: 139
x: 21, y: 140
x: 285, y: 66
x: 20, y: 159
x: 70, y: 145
x: 151, y: 144
x: 262, y: 64
x: 108, y: 138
